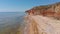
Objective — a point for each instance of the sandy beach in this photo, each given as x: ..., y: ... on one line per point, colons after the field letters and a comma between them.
x: 42, y: 25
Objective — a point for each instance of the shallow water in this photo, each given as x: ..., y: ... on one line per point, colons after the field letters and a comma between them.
x: 10, y: 22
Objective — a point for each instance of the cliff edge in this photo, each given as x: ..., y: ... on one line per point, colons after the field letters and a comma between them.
x: 52, y: 10
x: 43, y: 20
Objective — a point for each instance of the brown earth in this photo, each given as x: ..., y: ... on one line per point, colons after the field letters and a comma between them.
x: 52, y: 10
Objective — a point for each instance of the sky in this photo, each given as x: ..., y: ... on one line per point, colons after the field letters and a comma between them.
x: 22, y: 5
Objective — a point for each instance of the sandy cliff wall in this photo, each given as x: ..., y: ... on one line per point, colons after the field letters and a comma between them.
x: 38, y: 20
x: 52, y: 10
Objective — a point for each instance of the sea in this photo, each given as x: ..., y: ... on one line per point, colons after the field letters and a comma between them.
x: 10, y: 22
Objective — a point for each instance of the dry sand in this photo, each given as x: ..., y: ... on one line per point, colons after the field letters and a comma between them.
x: 41, y: 25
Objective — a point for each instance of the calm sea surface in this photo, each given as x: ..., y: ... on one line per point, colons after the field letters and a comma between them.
x: 10, y: 21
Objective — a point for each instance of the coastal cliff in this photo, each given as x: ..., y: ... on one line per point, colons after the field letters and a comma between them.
x: 52, y: 10
x: 43, y: 20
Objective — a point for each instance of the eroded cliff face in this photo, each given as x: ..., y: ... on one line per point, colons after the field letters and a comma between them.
x: 39, y: 21
x: 52, y: 10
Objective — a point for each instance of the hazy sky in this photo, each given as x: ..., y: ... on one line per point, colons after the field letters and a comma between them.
x: 22, y: 5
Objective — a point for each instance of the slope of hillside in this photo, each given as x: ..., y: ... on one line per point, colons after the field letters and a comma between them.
x: 43, y: 20
x: 52, y: 10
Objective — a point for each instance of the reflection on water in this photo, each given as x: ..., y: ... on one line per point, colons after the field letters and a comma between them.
x: 10, y: 22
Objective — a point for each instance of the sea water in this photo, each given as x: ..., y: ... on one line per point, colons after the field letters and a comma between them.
x: 10, y: 22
